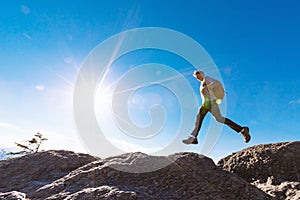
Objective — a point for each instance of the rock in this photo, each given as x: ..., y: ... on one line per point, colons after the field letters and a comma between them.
x: 102, y: 192
x: 14, y: 195
x: 274, y: 168
x: 30, y: 172
x: 189, y: 176
x: 286, y: 190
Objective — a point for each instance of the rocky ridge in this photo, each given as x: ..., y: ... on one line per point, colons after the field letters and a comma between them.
x: 190, y: 176
x: 258, y: 172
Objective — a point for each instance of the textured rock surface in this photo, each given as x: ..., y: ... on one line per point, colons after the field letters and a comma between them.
x: 274, y: 168
x: 14, y: 195
x: 191, y: 176
x: 30, y: 172
x: 286, y: 190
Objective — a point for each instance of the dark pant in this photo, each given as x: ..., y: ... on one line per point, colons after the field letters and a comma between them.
x: 213, y: 108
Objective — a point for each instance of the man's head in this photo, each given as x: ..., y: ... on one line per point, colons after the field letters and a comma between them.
x: 199, y: 75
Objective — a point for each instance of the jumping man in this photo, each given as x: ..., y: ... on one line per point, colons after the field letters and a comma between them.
x: 210, y: 104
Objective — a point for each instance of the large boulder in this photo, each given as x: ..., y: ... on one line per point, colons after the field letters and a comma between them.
x: 274, y: 168
x: 30, y: 172
x: 188, y: 176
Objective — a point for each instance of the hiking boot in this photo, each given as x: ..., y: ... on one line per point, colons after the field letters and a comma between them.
x: 190, y: 140
x: 245, y: 134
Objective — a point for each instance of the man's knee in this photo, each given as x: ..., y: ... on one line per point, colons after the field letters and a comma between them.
x: 220, y: 119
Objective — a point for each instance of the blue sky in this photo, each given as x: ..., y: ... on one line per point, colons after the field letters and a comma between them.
x: 255, y: 46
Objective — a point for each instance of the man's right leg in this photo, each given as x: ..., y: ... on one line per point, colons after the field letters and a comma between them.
x: 199, y: 119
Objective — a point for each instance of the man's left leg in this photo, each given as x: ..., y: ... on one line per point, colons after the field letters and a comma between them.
x: 215, y: 111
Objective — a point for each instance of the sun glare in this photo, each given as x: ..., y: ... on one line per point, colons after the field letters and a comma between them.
x: 103, y: 98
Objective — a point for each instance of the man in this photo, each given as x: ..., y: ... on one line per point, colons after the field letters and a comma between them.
x: 210, y: 104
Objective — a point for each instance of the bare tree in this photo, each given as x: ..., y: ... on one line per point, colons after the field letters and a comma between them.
x: 32, y: 145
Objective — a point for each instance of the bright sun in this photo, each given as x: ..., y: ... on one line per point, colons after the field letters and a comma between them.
x: 103, y: 98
